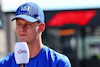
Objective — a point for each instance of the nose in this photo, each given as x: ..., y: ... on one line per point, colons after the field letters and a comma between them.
x: 23, y: 28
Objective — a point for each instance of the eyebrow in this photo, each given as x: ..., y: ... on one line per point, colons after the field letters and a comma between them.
x: 19, y: 21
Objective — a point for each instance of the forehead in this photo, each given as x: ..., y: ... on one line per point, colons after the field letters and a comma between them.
x: 22, y: 20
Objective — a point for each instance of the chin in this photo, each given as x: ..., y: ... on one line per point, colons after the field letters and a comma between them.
x: 22, y: 41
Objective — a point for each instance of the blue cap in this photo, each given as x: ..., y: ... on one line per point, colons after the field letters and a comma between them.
x: 30, y: 12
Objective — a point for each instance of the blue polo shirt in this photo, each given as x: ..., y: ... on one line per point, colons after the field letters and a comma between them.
x: 46, y: 58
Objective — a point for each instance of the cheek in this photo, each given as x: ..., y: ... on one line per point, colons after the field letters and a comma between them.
x: 33, y: 32
x: 17, y: 29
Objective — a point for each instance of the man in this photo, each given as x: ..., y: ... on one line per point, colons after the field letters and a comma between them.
x: 29, y: 27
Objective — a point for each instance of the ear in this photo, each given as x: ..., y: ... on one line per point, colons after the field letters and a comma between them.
x: 42, y: 27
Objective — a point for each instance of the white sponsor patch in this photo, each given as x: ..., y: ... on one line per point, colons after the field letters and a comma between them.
x: 25, y: 8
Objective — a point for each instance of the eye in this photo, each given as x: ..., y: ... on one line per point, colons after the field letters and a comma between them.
x: 28, y: 24
x: 18, y: 24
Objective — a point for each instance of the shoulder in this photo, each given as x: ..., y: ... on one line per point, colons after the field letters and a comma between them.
x: 63, y: 60
x: 6, y: 58
x: 60, y: 59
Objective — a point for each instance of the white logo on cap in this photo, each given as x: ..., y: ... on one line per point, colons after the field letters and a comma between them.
x: 25, y: 8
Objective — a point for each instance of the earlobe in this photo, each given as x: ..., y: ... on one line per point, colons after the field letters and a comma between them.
x: 42, y: 27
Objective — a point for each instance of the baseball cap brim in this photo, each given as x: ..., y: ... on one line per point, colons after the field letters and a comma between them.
x: 25, y: 17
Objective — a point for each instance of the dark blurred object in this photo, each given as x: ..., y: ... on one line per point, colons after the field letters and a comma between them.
x: 90, y: 63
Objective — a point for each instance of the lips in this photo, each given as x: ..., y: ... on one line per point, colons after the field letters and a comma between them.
x: 23, y: 35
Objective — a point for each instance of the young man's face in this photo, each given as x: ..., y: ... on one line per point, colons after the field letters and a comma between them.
x: 26, y: 31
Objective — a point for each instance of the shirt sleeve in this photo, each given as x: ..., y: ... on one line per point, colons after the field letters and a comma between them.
x: 64, y: 62
x: 67, y: 65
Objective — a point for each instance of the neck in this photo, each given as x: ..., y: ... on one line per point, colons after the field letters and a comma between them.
x: 35, y: 48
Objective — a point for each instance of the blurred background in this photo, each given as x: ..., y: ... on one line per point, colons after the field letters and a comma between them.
x: 72, y: 28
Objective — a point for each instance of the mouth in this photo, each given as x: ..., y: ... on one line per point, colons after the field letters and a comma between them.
x: 23, y: 35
